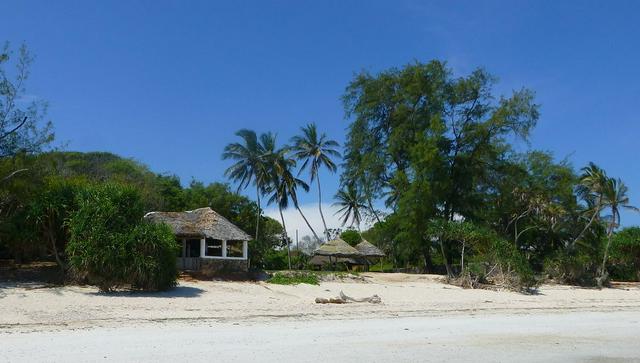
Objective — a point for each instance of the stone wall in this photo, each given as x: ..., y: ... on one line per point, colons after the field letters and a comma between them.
x: 210, y: 267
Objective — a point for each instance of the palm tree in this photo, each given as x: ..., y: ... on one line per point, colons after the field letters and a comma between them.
x: 614, y: 195
x: 316, y: 151
x: 249, y: 165
x: 283, y: 186
x: 351, y: 202
x: 592, y: 182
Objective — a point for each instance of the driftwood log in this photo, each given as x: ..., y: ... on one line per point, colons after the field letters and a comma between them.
x: 343, y: 299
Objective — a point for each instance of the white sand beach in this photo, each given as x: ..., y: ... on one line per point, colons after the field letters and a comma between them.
x: 261, y: 320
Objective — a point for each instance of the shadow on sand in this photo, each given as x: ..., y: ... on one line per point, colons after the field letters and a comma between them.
x: 176, y: 292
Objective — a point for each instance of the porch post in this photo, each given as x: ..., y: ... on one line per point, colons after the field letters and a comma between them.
x: 224, y: 248
x: 202, y: 247
x: 245, y: 249
x: 184, y: 254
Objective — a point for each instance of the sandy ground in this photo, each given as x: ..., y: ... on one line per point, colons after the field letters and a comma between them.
x: 223, y: 317
x: 570, y: 337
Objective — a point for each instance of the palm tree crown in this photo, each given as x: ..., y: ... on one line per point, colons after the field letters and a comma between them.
x: 315, y: 151
x: 350, y: 201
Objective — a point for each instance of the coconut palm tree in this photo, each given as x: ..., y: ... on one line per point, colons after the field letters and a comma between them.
x: 283, y: 187
x: 592, y: 182
x: 316, y: 151
x: 351, y: 202
x: 614, y: 196
x: 249, y: 166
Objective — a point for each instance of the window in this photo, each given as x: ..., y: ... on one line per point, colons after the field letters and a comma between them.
x: 214, y: 247
x: 235, y: 248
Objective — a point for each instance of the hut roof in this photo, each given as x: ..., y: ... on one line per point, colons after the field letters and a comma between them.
x: 318, y: 260
x: 201, y: 222
x: 367, y: 249
x: 337, y: 248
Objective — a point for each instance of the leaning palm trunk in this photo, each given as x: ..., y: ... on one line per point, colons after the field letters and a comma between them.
x: 307, y: 222
x: 286, y: 238
x: 593, y: 218
x: 372, y: 210
x: 603, y: 268
x: 324, y: 223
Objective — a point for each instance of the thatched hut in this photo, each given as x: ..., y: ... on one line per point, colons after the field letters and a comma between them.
x: 210, y: 243
x: 318, y: 261
x: 369, y: 251
x: 338, y: 249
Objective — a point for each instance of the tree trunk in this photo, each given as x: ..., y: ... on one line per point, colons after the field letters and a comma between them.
x: 444, y: 258
x: 428, y: 264
x: 307, y: 222
x: 603, y: 269
x: 593, y: 217
x: 258, y: 214
x: 462, y: 258
x: 324, y: 223
x: 54, y: 248
x: 375, y: 214
x: 286, y: 239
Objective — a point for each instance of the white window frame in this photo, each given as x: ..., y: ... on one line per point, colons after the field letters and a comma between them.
x: 203, y: 248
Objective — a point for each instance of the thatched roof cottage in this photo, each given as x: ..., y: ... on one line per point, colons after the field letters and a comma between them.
x: 210, y: 243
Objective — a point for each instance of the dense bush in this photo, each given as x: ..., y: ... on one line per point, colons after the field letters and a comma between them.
x: 625, y: 255
x: 275, y: 260
x: 577, y: 268
x: 111, y: 247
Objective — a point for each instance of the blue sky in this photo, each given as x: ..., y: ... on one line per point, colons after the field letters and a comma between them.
x: 169, y: 82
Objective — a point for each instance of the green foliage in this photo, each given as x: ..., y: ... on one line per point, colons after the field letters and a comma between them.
x: 625, y: 254
x: 50, y: 210
x: 294, y: 278
x: 576, y: 268
x: 351, y: 236
x: 275, y: 260
x: 152, y: 251
x: 110, y: 246
x: 22, y: 130
x: 28, y: 202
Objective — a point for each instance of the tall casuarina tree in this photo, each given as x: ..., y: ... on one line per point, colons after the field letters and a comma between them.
x: 316, y: 151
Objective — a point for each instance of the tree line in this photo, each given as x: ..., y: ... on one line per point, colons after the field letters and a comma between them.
x: 429, y: 161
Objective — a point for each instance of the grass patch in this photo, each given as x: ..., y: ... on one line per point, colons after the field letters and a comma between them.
x: 294, y: 278
x: 386, y: 267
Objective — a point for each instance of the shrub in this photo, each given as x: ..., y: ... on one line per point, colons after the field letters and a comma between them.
x: 625, y: 254
x: 153, y: 251
x: 575, y: 268
x: 294, y: 278
x: 110, y: 246
x: 275, y: 260
x: 510, y: 268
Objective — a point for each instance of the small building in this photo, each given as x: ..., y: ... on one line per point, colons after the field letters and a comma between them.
x: 336, y: 251
x: 369, y: 251
x: 210, y: 243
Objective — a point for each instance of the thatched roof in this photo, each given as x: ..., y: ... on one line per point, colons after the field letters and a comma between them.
x: 367, y: 249
x: 337, y: 248
x: 318, y: 260
x: 201, y: 222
